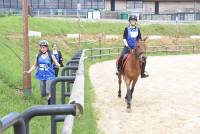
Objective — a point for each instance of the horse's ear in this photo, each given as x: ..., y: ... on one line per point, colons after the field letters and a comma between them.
x: 145, y: 38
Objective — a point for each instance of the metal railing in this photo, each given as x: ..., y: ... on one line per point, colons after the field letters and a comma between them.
x: 20, y: 122
x: 13, y: 119
x: 158, y: 49
x: 53, y: 98
x: 174, y: 49
x: 101, y: 52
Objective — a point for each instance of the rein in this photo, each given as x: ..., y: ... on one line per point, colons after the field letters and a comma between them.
x: 137, y: 54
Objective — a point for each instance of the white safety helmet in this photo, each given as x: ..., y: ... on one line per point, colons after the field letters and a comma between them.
x: 44, y: 43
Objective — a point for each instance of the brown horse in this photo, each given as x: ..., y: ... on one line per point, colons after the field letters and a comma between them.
x: 131, y: 71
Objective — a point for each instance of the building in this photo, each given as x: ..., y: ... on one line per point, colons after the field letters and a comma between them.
x: 170, y: 6
x: 112, y: 7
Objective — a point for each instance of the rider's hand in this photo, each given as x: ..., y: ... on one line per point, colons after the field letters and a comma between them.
x: 26, y: 72
x: 132, y: 50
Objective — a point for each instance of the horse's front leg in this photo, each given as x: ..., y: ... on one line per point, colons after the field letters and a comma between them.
x: 132, y: 87
x: 119, y: 82
x: 128, y: 93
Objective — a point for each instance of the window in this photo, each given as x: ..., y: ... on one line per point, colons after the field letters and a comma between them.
x: 74, y: 4
x: 138, y: 4
x: 61, y: 4
x: 99, y: 4
x: 14, y: 4
x: 41, y: 3
x: 68, y: 4
x: 20, y: 3
x: 1, y: 4
x: 7, y: 3
x: 51, y: 3
x: 94, y: 4
x: 132, y: 4
x: 34, y: 3
x: 88, y: 4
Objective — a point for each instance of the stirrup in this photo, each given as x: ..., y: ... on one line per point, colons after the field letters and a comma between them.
x: 145, y: 74
x: 117, y: 72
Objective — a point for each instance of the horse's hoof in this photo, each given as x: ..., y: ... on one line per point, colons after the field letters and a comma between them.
x: 129, y: 110
x: 119, y: 96
x: 126, y: 100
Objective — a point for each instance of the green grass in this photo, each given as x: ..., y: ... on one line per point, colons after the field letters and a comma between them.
x: 11, y: 97
x: 182, y: 30
x: 13, y: 24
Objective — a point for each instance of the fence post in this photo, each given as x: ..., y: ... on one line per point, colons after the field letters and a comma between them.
x: 53, y: 96
x: 63, y: 93
x: 1, y: 127
x: 91, y: 52
x: 100, y: 46
x: 193, y: 47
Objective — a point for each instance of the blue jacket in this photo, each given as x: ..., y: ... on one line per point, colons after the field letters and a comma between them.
x: 45, y: 69
x: 132, y: 35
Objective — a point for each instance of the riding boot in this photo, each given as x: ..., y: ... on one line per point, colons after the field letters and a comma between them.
x: 143, y: 72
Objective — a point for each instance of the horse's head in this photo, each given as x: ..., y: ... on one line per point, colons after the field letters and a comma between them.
x: 141, y: 47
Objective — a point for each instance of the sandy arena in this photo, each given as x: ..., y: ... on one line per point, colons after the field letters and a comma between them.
x: 168, y: 102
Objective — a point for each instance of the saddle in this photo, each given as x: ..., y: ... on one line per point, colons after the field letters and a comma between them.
x: 124, y: 60
x: 126, y: 57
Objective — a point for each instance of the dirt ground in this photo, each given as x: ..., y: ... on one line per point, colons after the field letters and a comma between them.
x: 168, y: 102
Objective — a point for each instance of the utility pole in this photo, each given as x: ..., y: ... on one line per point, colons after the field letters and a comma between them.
x: 79, y: 27
x: 26, y: 64
x: 194, y: 9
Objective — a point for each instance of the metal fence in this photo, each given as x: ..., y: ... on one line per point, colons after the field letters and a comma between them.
x: 151, y: 50
x: 72, y: 73
x: 171, y: 17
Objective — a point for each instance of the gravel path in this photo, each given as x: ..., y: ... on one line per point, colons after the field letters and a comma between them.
x: 168, y: 102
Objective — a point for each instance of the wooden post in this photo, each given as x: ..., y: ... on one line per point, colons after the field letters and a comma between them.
x: 26, y: 64
x: 100, y: 45
x: 79, y: 27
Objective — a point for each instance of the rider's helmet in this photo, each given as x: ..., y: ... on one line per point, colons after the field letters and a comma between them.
x: 133, y: 17
x: 44, y: 43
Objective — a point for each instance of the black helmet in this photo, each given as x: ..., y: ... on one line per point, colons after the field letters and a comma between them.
x: 132, y: 17
x: 44, y: 43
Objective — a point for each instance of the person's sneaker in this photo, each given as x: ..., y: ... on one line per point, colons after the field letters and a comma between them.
x: 48, y: 96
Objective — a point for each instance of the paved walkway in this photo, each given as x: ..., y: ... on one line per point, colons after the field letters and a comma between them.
x: 168, y: 102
